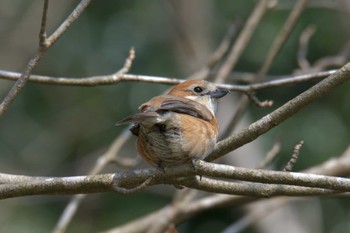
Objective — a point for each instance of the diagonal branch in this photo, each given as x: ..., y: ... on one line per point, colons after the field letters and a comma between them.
x: 242, y: 41
x: 281, y: 114
x: 131, y: 179
x: 108, y: 157
x: 281, y: 38
x: 44, y: 44
x: 19, y: 84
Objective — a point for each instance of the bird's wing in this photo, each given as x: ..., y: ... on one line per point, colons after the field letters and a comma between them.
x: 160, y: 104
x: 138, y: 117
x: 185, y: 106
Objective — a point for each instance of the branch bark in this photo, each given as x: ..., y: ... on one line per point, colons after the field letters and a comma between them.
x: 44, y: 44
x: 262, y: 183
x: 281, y: 114
x: 124, y: 77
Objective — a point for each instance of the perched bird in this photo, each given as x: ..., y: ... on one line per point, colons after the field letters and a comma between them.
x: 179, y: 126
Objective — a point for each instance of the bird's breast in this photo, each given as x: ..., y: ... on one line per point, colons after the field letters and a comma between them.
x: 175, y: 139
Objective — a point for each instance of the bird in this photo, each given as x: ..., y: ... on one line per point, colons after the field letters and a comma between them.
x: 178, y: 127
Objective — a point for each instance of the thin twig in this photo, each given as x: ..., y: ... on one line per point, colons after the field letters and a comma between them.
x: 108, y: 157
x: 74, y: 15
x: 44, y: 45
x: 333, y: 61
x: 256, y: 213
x: 218, y: 54
x: 273, y: 52
x: 127, y: 65
x: 224, y: 46
x: 270, y: 155
x: 240, y: 111
x: 73, y: 205
x: 19, y: 84
x: 281, y: 38
x: 42, y: 34
x: 114, y: 79
x: 304, y: 39
x: 242, y: 41
x: 68, y: 213
x: 258, y: 103
x: 294, y: 158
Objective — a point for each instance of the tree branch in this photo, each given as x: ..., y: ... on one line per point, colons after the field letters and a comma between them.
x: 261, y: 183
x: 281, y: 114
x: 44, y: 44
x: 120, y: 77
x: 242, y: 41
x: 335, y: 166
x: 109, y: 156
x: 133, y: 179
x: 281, y: 38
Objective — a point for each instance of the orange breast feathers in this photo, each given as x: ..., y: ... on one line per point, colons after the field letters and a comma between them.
x: 178, y: 127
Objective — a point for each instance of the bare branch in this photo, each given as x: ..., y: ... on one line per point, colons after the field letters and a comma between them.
x: 127, y: 65
x: 116, y: 78
x: 224, y: 46
x: 258, y: 103
x: 242, y: 41
x: 241, y: 109
x: 253, y: 189
x: 68, y: 213
x: 294, y: 158
x: 281, y: 38
x: 333, y: 61
x: 19, y: 84
x: 42, y: 33
x: 334, y: 166
x: 271, y: 155
x: 276, y: 183
x: 282, y: 113
x: 276, y: 47
x: 303, y: 47
x: 79, y: 9
x: 256, y: 213
x: 219, y: 53
x: 44, y: 44
x: 108, y: 157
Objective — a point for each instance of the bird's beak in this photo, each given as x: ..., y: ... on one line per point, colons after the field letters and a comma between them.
x: 218, y: 93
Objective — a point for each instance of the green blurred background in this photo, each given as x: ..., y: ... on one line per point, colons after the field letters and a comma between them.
x: 61, y: 131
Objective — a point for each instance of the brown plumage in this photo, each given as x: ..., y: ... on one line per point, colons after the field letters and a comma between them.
x: 177, y: 127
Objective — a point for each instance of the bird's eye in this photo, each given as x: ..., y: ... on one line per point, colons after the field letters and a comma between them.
x: 198, y: 89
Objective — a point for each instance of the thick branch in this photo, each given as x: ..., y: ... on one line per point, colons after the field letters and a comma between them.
x: 253, y: 189
x: 56, y: 185
x: 276, y: 183
x: 271, y: 177
x: 281, y: 114
x: 335, y: 166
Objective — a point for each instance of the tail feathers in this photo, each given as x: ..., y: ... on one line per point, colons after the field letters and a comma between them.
x: 136, y: 118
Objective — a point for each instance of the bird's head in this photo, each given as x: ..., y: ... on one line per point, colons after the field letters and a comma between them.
x: 202, y: 91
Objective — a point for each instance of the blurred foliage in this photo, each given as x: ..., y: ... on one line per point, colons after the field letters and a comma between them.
x: 55, y: 130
